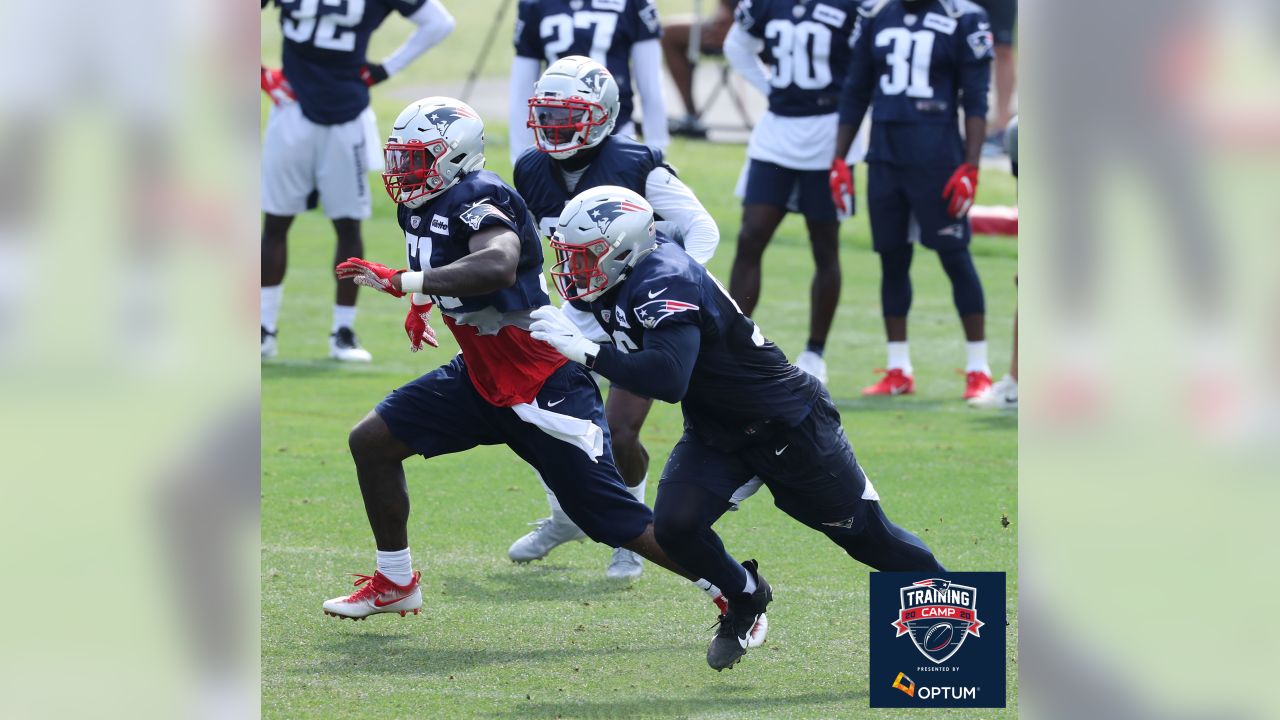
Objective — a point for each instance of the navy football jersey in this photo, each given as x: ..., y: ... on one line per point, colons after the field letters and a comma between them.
x: 916, y: 64
x: 506, y: 365
x: 739, y: 379
x: 620, y: 161
x: 324, y: 48
x: 603, y: 30
x: 806, y: 46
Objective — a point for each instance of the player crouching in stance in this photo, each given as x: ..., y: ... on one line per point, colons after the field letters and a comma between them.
x: 747, y: 411
x: 572, y: 113
x: 473, y: 251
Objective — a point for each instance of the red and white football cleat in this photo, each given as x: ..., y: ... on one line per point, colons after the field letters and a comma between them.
x: 379, y: 595
x: 894, y: 382
x: 976, y: 383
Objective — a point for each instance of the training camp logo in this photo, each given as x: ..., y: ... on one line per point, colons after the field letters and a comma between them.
x: 938, y: 615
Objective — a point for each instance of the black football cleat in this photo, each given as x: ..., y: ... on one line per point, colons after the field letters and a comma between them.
x: 739, y: 622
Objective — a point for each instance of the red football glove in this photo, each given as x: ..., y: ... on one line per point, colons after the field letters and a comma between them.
x: 841, y: 186
x: 960, y: 190
x: 277, y: 87
x: 418, y: 326
x: 373, y: 73
x: 369, y: 274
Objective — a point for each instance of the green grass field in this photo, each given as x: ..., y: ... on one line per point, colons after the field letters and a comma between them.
x: 556, y: 638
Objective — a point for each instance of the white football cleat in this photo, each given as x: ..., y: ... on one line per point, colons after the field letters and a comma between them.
x: 269, y: 346
x: 549, y: 533
x: 625, y: 565
x: 1003, y: 395
x: 812, y: 363
x: 379, y: 595
x: 344, y: 346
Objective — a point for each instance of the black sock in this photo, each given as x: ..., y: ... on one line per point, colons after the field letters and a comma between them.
x: 815, y: 347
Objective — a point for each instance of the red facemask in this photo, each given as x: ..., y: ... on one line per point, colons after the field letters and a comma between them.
x: 411, y: 170
x: 577, y: 270
x: 556, y: 123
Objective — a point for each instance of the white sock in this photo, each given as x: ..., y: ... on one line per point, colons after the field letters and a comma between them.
x: 705, y: 586
x: 976, y: 354
x: 343, y: 316
x: 396, y: 565
x: 751, y: 582
x: 899, y: 357
x: 270, y: 311
x: 637, y: 492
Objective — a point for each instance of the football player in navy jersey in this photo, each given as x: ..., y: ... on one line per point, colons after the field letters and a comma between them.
x: 473, y: 252
x: 679, y: 337
x: 622, y: 35
x: 805, y: 46
x: 916, y: 64
x: 322, y: 138
x: 573, y: 112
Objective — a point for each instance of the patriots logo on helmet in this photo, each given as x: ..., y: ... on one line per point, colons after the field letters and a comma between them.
x: 605, y: 213
x: 655, y: 311
x: 443, y: 117
x: 595, y: 79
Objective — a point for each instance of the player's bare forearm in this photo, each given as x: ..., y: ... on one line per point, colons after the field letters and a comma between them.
x: 844, y: 139
x: 491, y: 266
x: 975, y: 133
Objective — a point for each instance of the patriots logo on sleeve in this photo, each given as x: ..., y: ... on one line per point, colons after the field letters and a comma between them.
x: 480, y: 210
x: 443, y: 117
x: 655, y: 311
x: 982, y: 43
x: 606, y: 213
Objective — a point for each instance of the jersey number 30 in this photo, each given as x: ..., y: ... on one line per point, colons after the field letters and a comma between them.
x: 304, y: 23
x: 793, y: 62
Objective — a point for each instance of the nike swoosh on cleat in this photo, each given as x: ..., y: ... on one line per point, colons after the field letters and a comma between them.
x: 653, y: 295
x: 380, y: 604
x: 553, y: 404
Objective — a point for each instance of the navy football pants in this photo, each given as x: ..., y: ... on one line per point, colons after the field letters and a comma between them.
x: 812, y: 473
x: 441, y: 413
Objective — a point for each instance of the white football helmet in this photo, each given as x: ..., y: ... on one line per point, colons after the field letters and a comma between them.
x: 433, y: 143
x: 574, y: 106
x: 601, y: 235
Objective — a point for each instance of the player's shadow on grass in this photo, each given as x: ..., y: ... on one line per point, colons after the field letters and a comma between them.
x: 721, y: 699
x: 539, y: 583
x: 400, y: 655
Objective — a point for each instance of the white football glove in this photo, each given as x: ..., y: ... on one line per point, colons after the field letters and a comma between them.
x: 552, y: 327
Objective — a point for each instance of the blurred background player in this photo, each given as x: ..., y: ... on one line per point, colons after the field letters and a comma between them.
x: 1003, y: 15
x: 622, y: 35
x: 322, y: 138
x: 1003, y: 394
x: 916, y: 63
x: 678, y: 35
x: 805, y: 47
x: 747, y: 412
x: 574, y: 151
x: 473, y: 250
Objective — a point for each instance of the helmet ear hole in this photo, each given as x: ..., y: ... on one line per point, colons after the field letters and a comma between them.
x: 457, y: 159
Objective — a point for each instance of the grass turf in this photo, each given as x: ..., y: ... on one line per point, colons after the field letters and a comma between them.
x: 556, y: 639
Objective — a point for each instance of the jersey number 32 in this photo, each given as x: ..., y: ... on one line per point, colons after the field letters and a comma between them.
x: 326, y: 28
